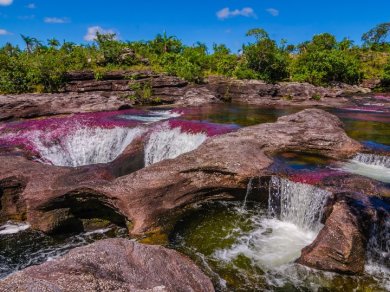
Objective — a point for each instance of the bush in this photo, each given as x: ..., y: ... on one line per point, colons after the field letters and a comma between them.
x: 386, y: 76
x: 323, y: 61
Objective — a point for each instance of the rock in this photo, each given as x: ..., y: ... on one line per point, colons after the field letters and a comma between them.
x: 197, y: 96
x: 341, y: 245
x: 112, y: 265
x: 37, y: 105
x: 56, y: 197
x: 283, y: 93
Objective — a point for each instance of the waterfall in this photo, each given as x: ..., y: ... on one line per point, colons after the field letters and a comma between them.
x: 292, y: 221
x: 85, y: 145
x: 152, y: 116
x: 378, y: 252
x: 370, y: 165
x: 13, y: 227
x: 248, y: 192
x: 167, y: 143
x: 373, y: 159
x: 297, y: 203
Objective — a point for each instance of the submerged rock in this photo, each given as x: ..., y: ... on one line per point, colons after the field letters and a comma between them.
x: 112, y: 265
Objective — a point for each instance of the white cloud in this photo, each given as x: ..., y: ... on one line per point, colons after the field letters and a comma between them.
x: 6, y: 2
x: 31, y: 6
x: 91, y: 32
x: 227, y: 13
x: 26, y: 17
x: 4, y: 32
x: 56, y: 20
x: 273, y: 11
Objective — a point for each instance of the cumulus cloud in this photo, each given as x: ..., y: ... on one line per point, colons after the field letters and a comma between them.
x: 91, y: 32
x: 31, y: 6
x: 227, y: 13
x: 56, y: 20
x: 6, y: 2
x: 4, y: 32
x: 273, y: 11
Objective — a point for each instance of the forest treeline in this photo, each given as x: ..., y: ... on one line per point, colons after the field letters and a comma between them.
x: 42, y: 66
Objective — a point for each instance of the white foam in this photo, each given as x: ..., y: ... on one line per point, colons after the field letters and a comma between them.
x: 85, y: 146
x: 152, y: 116
x: 12, y: 228
x: 271, y: 244
x: 298, y: 203
x: 166, y: 143
x: 369, y: 165
x: 292, y: 222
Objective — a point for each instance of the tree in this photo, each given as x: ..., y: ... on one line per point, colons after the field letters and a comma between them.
x: 54, y: 43
x: 377, y: 36
x: 31, y: 43
x: 265, y: 58
x: 163, y: 43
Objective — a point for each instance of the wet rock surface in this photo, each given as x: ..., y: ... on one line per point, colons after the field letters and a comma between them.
x: 341, y: 245
x: 112, y: 265
x: 55, y: 197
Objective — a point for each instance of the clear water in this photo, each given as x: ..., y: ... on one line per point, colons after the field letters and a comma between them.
x: 248, y: 251
x: 21, y: 247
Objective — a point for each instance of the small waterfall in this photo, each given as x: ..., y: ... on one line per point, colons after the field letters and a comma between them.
x: 85, y: 146
x: 370, y: 165
x: 297, y: 203
x: 292, y: 221
x: 378, y: 248
x: 248, y: 192
x: 373, y: 159
x: 152, y: 116
x: 12, y: 228
x: 378, y: 252
x: 167, y: 143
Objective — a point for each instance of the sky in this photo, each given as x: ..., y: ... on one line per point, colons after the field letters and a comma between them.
x: 208, y: 21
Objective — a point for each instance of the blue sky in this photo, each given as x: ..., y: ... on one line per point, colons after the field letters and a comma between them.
x: 220, y: 21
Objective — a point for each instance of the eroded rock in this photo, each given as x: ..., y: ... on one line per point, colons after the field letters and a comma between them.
x: 112, y: 265
x: 341, y: 245
x: 219, y: 168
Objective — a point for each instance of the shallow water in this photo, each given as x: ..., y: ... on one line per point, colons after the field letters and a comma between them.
x: 24, y: 247
x: 245, y: 250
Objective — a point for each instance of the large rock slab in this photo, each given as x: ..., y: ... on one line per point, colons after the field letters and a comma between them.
x: 112, y: 265
x: 54, y: 197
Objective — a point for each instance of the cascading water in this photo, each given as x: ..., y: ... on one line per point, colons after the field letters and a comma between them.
x: 168, y: 143
x: 85, y: 146
x: 378, y: 252
x: 12, y: 228
x: 297, y: 203
x: 370, y: 165
x: 152, y: 116
x: 291, y: 222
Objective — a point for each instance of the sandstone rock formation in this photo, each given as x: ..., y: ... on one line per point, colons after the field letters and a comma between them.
x: 112, y: 265
x: 341, y: 245
x: 113, y: 91
x: 52, y: 198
